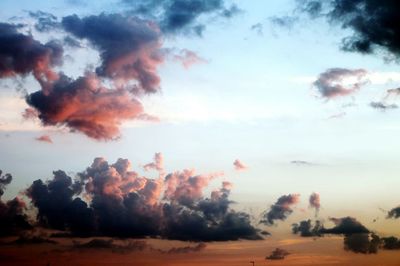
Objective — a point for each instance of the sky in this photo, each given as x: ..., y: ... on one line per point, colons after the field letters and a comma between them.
x: 204, y: 131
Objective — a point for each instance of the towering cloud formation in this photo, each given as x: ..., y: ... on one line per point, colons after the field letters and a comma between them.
x: 374, y: 23
x: 181, y: 16
x: 281, y: 209
x: 330, y: 83
x: 315, y: 202
x: 121, y: 203
x: 13, y: 220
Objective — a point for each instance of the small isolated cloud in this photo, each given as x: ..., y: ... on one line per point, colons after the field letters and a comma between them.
x: 383, y: 106
x: 278, y: 254
x: 283, y: 21
x: 281, y: 209
x: 187, y: 249
x: 157, y: 165
x: 336, y: 82
x: 239, y: 166
x: 258, y: 28
x: 188, y: 58
x: 301, y: 163
x: 315, y: 202
x: 44, y: 138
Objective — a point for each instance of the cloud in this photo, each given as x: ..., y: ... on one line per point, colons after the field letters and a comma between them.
x: 394, y: 213
x: 129, y: 47
x: 188, y: 58
x: 281, y: 209
x: 112, y: 200
x: 45, y: 21
x: 239, y: 166
x: 109, y: 244
x: 86, y: 106
x: 44, y: 138
x: 390, y: 243
x: 283, y: 22
x: 27, y: 239
x: 315, y: 202
x: 307, y: 229
x: 278, y: 254
x: 331, y: 83
x: 362, y: 243
x: 383, y: 106
x: 373, y: 23
x: 301, y: 163
x: 180, y: 16
x: 187, y: 249
x: 346, y: 226
x: 157, y: 165
x: 23, y: 55
x: 13, y: 220
x: 258, y: 28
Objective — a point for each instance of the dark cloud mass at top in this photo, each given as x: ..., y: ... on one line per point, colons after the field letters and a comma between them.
x: 374, y: 23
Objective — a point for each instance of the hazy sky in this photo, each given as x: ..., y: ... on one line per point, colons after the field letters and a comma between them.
x: 249, y: 93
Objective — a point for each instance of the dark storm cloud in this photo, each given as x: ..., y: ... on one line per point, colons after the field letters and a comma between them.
x: 362, y: 243
x: 123, y: 204
x: 13, y: 219
x: 394, y: 213
x: 390, y: 243
x: 45, y: 22
x: 307, y: 229
x: 86, y: 106
x: 345, y: 226
x: 281, y: 209
x: 374, y: 23
x: 330, y: 83
x: 383, y: 106
x: 129, y: 47
x: 22, y: 55
x: 181, y: 16
x: 278, y: 254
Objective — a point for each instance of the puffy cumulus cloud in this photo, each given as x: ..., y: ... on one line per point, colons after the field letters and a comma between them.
x: 86, y: 106
x: 239, y: 165
x: 281, y: 209
x: 112, y: 200
x: 129, y: 47
x: 181, y: 16
x: 278, y: 254
x: 306, y: 228
x: 44, y: 138
x: 21, y: 54
x: 394, y: 213
x: 13, y: 219
x: 315, y: 202
x: 374, y: 23
x: 362, y: 243
x: 336, y: 82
